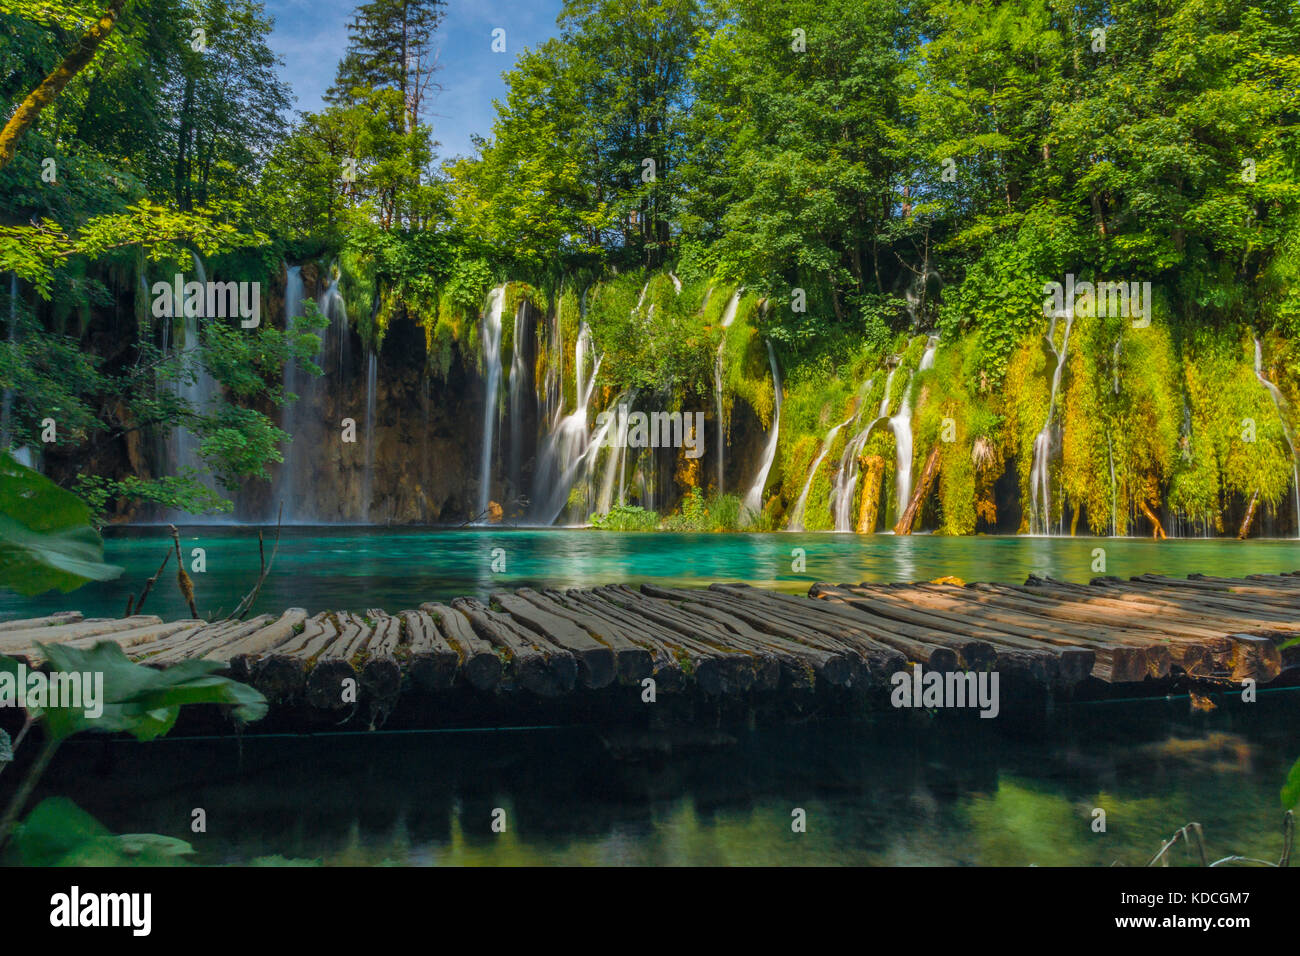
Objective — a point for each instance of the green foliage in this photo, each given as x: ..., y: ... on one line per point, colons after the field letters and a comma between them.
x: 626, y: 518
x: 59, y: 833
x: 46, y: 539
x: 697, y: 513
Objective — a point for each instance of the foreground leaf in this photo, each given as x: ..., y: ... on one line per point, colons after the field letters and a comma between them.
x: 46, y: 539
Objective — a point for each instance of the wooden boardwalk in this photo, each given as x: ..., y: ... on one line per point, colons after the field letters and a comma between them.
x: 727, y: 640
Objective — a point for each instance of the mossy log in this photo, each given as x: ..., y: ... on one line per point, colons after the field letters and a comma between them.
x: 872, y: 468
x: 923, y: 488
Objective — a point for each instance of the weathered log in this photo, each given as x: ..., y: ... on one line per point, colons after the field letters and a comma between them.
x: 480, y: 664
x: 666, y: 658
x: 633, y: 662
x: 923, y: 488
x: 536, y: 665
x: 50, y: 620
x: 596, y: 666
x: 433, y: 662
x: 57, y: 634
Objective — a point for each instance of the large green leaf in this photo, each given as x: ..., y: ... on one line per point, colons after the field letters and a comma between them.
x: 46, y: 539
x: 138, y: 700
x: 1291, y: 789
x: 60, y: 833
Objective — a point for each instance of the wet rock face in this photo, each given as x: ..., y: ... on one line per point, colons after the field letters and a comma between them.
x: 417, y: 466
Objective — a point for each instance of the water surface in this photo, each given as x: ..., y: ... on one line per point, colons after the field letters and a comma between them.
x: 368, y: 567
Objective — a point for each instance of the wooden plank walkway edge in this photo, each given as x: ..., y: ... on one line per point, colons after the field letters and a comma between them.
x: 1046, y: 638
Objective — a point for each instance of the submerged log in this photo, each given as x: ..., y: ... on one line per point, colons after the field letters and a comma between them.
x: 873, y: 475
x: 923, y: 488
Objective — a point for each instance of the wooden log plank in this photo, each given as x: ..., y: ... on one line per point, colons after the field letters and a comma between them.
x: 133, y: 642
x: 961, y: 605
x: 1003, y: 607
x: 1113, y: 663
x: 732, y: 670
x: 480, y: 664
x: 50, y: 620
x: 182, y: 647
x: 433, y: 662
x: 57, y: 634
x: 917, y: 649
x: 633, y: 662
x: 596, y: 666
x: 699, y: 662
x: 665, y: 665
x: 878, y: 660
x: 831, y: 659
x: 1063, y: 665
x: 268, y: 637
x: 536, y: 665
x: 1215, y: 635
x: 381, y: 674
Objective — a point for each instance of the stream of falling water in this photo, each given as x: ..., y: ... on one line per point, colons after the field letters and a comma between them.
x: 797, y: 513
x: 728, y: 316
x: 491, y: 340
x: 901, y: 424
x: 752, y: 504
x: 846, y: 477
x: 1040, y: 475
x: 368, y: 476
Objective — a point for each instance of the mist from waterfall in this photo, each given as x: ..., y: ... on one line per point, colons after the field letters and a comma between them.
x: 752, y: 503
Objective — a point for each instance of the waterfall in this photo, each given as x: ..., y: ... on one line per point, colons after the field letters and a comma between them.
x: 331, y: 305
x: 753, y: 501
x: 1040, y: 475
x: 728, y: 316
x: 901, y: 424
x: 368, y: 476
x: 797, y: 514
x: 195, y: 387
x: 518, y: 389
x: 846, y: 476
x: 491, y: 339
x: 1279, y: 403
x: 288, y: 485
x: 563, y: 455
x: 617, y: 456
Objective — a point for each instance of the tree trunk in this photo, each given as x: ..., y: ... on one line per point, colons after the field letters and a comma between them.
x: 873, y: 473
x: 1157, y: 529
x: 52, y: 85
x: 1244, y: 531
x: 922, y: 491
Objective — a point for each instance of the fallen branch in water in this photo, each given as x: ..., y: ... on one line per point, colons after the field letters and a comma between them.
x: 148, y: 585
x: 182, y: 579
x: 245, y: 605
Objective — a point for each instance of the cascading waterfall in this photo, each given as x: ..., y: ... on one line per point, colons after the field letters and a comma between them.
x: 752, y: 503
x: 196, y: 387
x: 1040, y: 475
x: 901, y: 424
x: 304, y: 386
x: 846, y: 476
x: 491, y: 340
x: 331, y: 305
x: 728, y: 316
x: 1280, y: 403
x: 797, y: 514
x: 564, y: 454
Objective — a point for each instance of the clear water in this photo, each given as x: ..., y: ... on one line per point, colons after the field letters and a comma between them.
x: 366, y: 567
x: 924, y: 791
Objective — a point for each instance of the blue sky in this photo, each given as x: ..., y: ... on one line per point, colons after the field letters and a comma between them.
x: 311, y: 35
